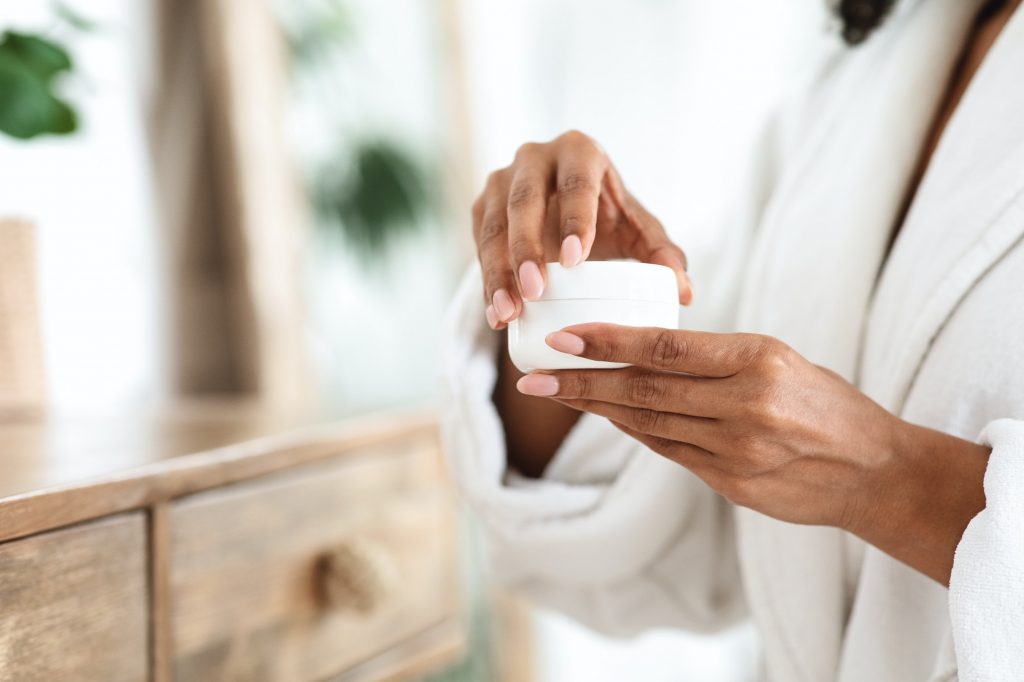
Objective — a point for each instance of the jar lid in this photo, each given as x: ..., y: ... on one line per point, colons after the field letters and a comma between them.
x: 611, y: 280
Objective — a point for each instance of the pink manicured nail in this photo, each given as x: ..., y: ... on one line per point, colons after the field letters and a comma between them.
x: 565, y: 342
x: 572, y: 251
x: 541, y: 385
x: 504, y: 308
x: 492, y: 319
x: 531, y: 280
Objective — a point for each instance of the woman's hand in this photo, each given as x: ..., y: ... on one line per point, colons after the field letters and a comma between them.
x: 771, y: 431
x: 562, y: 200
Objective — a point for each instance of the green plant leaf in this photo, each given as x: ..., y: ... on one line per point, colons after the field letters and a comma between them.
x: 381, y: 195
x: 43, y: 57
x: 28, y: 106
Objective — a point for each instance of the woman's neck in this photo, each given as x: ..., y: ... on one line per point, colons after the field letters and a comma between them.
x: 987, y: 26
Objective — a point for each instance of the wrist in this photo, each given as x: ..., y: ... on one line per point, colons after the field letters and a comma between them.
x: 887, y: 487
x: 918, y: 502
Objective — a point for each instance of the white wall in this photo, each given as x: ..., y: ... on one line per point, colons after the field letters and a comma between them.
x: 89, y: 195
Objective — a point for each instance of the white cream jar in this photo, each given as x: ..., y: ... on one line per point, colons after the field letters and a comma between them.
x: 618, y: 292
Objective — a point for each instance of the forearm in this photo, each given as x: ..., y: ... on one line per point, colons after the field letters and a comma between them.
x: 920, y: 504
x: 534, y: 427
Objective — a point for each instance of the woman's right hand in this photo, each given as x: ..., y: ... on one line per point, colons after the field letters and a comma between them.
x: 560, y: 200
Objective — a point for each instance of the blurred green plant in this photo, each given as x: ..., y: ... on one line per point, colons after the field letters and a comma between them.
x: 372, y: 187
x: 378, y: 196
x: 30, y: 67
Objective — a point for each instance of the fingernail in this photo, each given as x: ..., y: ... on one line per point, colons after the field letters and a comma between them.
x: 541, y: 385
x: 504, y: 308
x: 492, y: 319
x: 531, y: 280
x: 565, y: 342
x: 572, y: 251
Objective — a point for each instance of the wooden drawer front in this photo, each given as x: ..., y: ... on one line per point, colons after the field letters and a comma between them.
x: 247, y: 577
x: 73, y: 603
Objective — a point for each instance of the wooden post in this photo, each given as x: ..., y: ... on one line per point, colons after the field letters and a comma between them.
x: 22, y: 382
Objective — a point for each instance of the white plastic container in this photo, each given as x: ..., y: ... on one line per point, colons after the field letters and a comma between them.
x: 619, y: 292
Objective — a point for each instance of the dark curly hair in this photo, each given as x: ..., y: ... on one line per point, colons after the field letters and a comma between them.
x: 860, y: 17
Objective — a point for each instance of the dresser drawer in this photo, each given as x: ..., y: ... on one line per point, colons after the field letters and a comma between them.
x: 73, y: 603
x: 306, y: 574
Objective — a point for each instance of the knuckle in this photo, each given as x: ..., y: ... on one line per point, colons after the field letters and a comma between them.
x: 774, y: 366
x: 766, y: 356
x: 582, y: 141
x: 527, y: 150
x: 522, y: 195
x: 755, y: 345
x: 489, y: 231
x: 666, y: 349
x: 575, y: 184
x: 644, y: 389
x: 771, y: 412
x: 574, y: 135
x: 769, y: 352
x: 647, y: 420
x: 577, y: 386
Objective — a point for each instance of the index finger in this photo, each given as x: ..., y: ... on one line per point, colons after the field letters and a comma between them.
x: 527, y: 211
x: 581, y: 168
x: 705, y: 354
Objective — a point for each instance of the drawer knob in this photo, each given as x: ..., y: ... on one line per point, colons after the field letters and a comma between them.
x: 353, y: 576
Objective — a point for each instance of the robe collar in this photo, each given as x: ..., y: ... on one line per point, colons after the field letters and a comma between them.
x: 967, y: 214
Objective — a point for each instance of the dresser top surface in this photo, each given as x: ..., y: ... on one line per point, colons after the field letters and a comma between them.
x: 64, y: 468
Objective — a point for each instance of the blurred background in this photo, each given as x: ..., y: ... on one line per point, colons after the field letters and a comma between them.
x: 271, y: 199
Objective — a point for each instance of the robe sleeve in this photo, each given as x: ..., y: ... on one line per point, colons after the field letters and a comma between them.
x: 986, y: 588
x: 613, y: 535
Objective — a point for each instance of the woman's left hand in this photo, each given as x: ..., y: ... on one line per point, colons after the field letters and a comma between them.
x: 757, y: 422
x: 771, y: 431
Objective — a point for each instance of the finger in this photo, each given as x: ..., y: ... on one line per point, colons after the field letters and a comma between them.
x: 581, y: 167
x: 704, y: 354
x: 616, y: 190
x: 490, y: 227
x: 632, y: 387
x: 527, y: 207
x: 696, y: 459
x: 682, y: 428
x: 646, y: 240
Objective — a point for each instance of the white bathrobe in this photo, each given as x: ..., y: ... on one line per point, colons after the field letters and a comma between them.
x: 624, y: 540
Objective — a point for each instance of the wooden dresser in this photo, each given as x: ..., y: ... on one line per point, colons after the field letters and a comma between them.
x: 217, y: 543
